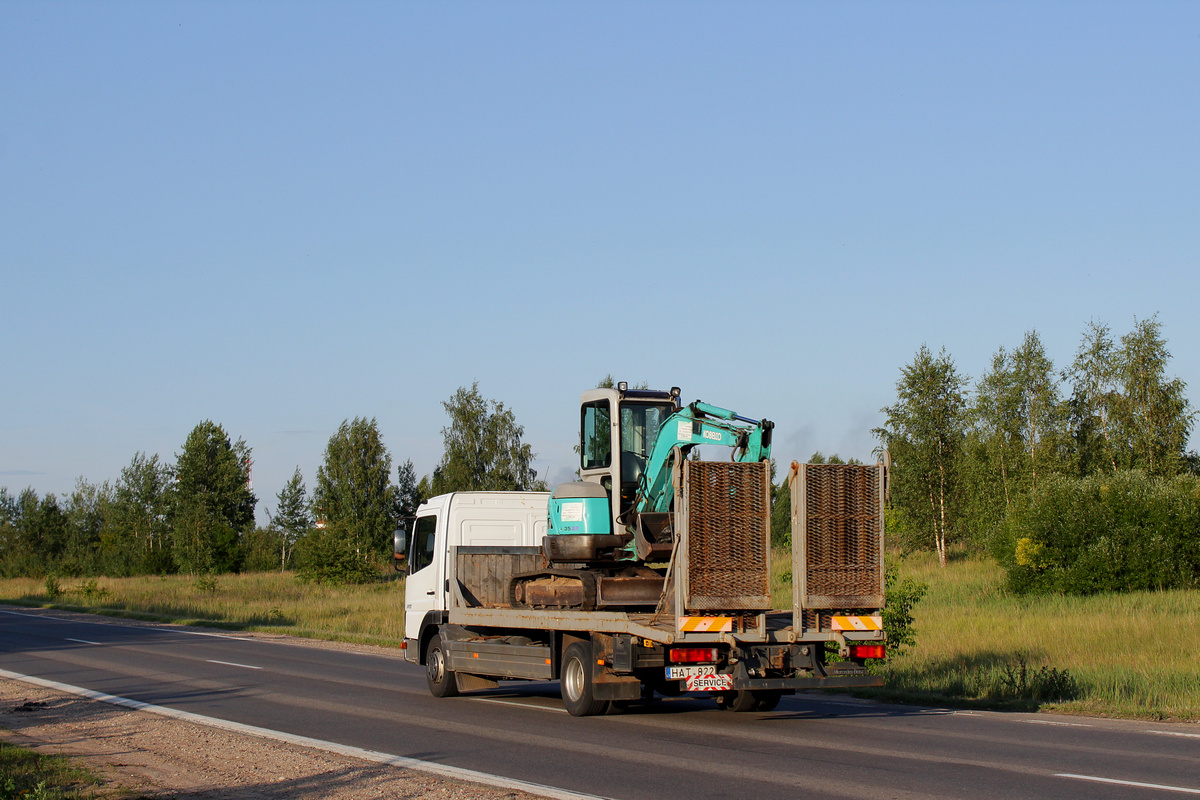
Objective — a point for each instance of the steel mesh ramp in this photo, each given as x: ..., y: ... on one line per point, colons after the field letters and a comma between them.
x: 837, y: 515
x: 727, y: 517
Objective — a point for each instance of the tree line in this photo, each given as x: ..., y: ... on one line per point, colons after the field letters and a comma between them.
x: 1075, y: 479
x: 197, y: 515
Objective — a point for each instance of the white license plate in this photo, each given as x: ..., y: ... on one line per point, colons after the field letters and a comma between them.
x: 677, y: 673
x: 710, y: 683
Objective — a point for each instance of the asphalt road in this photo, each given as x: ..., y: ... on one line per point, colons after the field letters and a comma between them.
x: 811, y: 745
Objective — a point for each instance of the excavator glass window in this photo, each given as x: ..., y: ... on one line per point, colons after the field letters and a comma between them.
x: 595, y: 445
x: 640, y: 425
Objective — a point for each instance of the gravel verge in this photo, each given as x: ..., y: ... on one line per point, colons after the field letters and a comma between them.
x: 145, y: 755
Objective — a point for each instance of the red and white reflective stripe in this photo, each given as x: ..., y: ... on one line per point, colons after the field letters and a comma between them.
x: 874, y: 623
x: 705, y: 624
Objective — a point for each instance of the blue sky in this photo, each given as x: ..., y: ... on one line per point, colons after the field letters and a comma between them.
x: 282, y: 215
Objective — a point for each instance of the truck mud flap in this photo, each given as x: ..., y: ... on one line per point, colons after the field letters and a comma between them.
x: 473, y: 683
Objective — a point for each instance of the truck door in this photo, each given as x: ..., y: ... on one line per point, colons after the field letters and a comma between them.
x: 422, y: 588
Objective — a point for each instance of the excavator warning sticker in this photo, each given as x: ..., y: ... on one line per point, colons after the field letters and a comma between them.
x: 572, y: 512
x: 684, y: 434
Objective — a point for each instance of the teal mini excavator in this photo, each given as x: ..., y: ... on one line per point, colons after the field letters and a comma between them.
x: 611, y: 534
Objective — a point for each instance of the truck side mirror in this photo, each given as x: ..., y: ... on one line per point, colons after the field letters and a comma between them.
x: 400, y: 546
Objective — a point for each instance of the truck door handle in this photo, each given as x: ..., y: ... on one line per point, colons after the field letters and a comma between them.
x: 429, y: 593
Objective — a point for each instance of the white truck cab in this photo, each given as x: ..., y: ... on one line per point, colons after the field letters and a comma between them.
x: 471, y: 519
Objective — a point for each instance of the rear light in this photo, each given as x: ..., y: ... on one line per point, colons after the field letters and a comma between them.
x: 867, y: 651
x: 692, y: 655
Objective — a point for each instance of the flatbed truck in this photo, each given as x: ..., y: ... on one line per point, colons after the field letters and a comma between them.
x: 494, y: 594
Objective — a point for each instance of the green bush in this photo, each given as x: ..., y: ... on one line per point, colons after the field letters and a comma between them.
x: 1122, y: 531
x: 261, y: 550
x: 328, y: 555
x: 1020, y: 681
x: 902, y: 595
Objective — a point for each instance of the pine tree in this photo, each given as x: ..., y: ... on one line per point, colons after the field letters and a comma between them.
x: 210, y: 503
x: 291, y: 516
x: 354, y: 491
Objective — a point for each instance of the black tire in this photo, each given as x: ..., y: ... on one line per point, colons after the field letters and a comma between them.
x: 575, y: 682
x: 766, y: 699
x: 740, y: 700
x: 441, y: 680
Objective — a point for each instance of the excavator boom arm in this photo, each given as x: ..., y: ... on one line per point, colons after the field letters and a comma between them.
x: 696, y: 424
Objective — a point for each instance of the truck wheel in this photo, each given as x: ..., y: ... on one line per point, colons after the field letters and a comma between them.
x: 740, y: 700
x: 576, y: 682
x: 442, y: 682
x: 766, y: 699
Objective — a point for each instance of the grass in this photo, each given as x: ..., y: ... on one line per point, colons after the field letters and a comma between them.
x: 262, y: 601
x: 26, y: 775
x: 1124, y: 655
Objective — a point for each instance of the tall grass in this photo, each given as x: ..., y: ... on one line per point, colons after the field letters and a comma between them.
x: 264, y: 601
x: 26, y: 775
x: 1132, y: 654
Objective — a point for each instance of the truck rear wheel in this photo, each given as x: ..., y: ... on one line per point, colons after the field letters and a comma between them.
x: 749, y: 700
x: 740, y: 700
x: 575, y: 682
x: 767, y: 699
x: 442, y: 682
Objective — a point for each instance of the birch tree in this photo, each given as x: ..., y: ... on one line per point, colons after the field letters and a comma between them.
x: 1095, y: 394
x: 483, y: 448
x: 924, y: 433
x: 1155, y: 416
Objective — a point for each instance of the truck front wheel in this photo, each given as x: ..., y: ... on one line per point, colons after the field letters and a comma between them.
x: 442, y: 682
x: 576, y: 682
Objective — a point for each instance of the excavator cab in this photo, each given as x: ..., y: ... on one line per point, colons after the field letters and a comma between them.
x: 611, y: 534
x: 627, y: 422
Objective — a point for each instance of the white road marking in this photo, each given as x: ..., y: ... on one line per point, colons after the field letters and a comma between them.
x: 1051, y: 722
x: 202, y: 633
x: 1176, y: 733
x: 1094, y: 779
x: 35, y: 616
x: 147, y: 627
x: 520, y: 705
x: 231, y: 664
x: 81, y: 641
x: 444, y: 770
